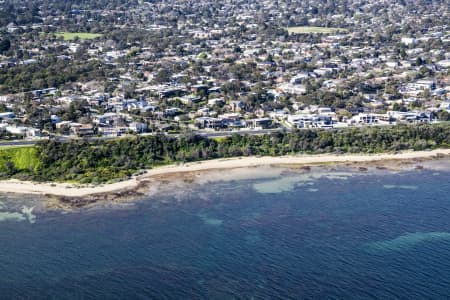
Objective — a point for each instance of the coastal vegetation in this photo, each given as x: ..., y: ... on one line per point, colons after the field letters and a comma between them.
x: 18, y: 159
x: 105, y: 161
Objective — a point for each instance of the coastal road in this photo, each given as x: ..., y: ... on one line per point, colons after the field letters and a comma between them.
x: 17, y: 143
x: 207, y: 134
x: 212, y: 134
x: 217, y: 134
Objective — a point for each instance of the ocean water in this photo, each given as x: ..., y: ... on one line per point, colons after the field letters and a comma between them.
x: 318, y: 235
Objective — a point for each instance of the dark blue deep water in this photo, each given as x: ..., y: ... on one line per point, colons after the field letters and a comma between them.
x: 335, y: 236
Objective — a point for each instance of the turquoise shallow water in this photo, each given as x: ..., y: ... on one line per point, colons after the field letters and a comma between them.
x: 332, y: 236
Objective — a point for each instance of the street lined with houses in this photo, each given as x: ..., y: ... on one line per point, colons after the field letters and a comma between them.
x: 240, y: 67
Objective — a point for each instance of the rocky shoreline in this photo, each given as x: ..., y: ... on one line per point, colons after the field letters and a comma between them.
x: 149, y: 185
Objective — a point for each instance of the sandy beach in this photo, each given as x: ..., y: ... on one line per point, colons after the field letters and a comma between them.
x: 72, y: 190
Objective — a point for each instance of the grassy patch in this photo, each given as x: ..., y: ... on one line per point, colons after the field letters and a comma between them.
x: 312, y: 29
x: 70, y: 36
x: 23, y: 158
x: 219, y: 139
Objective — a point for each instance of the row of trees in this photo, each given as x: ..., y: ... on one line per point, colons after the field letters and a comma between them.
x: 103, y: 161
